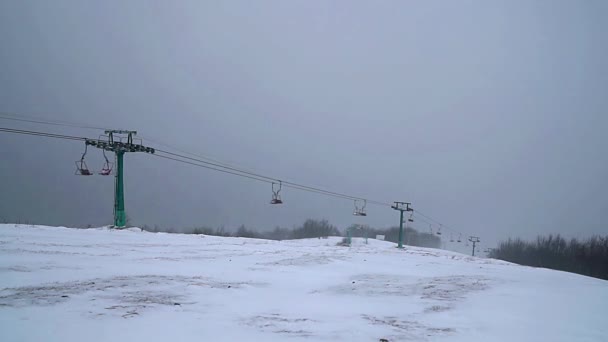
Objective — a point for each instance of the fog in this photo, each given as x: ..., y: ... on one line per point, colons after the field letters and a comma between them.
x: 489, y: 116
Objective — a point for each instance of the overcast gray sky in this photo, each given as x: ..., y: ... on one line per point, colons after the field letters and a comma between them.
x: 489, y: 116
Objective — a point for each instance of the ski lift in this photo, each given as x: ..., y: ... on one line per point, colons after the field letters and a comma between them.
x: 410, y: 219
x: 81, y: 167
x: 459, y: 235
x: 451, y: 237
x: 106, y: 170
x: 360, y: 211
x: 276, y: 197
x: 439, y: 230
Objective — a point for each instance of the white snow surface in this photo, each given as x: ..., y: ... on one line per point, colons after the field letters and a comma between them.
x: 60, y: 284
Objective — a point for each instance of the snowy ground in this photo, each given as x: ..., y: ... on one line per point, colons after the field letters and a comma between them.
x: 59, y: 284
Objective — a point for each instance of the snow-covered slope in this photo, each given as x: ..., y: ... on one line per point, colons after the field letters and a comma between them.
x: 59, y: 284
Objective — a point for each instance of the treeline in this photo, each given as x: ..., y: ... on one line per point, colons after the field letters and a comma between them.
x: 588, y: 257
x: 411, y: 237
x: 312, y: 229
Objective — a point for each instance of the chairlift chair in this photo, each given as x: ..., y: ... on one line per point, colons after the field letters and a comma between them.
x: 81, y: 167
x: 360, y: 211
x: 451, y: 238
x: 276, y: 197
x: 439, y: 230
x: 459, y: 238
x: 106, y: 170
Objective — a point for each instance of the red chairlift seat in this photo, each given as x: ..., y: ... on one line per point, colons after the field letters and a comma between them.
x: 106, y: 170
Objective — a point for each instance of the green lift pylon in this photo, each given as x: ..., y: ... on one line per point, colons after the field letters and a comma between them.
x: 119, y: 148
x: 399, y: 206
x: 120, y: 216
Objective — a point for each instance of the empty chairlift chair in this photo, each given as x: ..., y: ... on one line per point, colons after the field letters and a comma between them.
x: 360, y: 211
x: 81, y: 167
x: 276, y: 196
x: 106, y: 170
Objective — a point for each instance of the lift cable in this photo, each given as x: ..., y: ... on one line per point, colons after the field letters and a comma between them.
x: 201, y: 156
x: 212, y: 168
x: 261, y: 178
x: 13, y: 117
x: 210, y: 163
x: 41, y: 134
x: 276, y: 180
x: 436, y: 222
x: 205, y: 164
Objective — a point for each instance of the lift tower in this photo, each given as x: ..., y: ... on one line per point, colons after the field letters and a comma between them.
x: 119, y: 142
x: 474, y: 240
x: 400, y: 206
